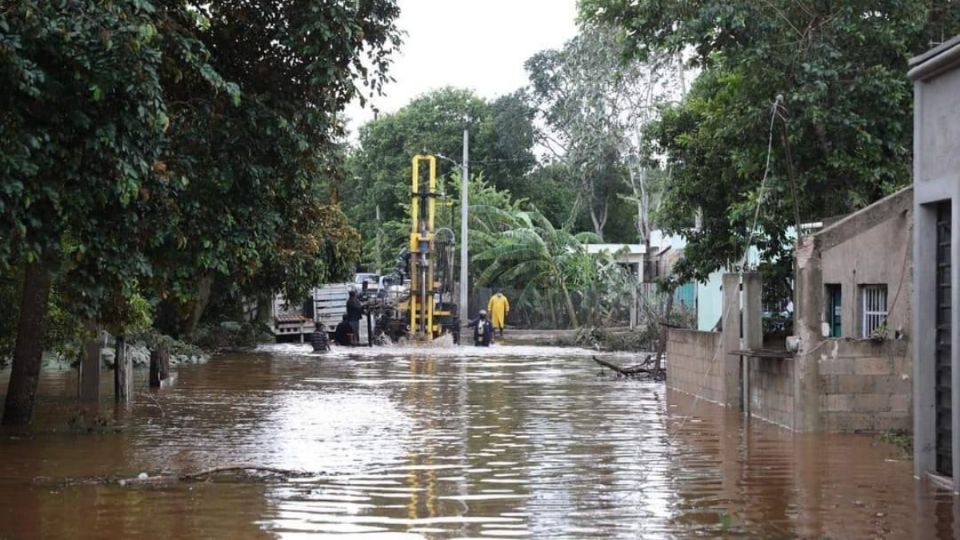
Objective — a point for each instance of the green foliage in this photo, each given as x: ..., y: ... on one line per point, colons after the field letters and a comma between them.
x: 900, y: 438
x: 254, y: 216
x: 595, y: 106
x: 227, y: 335
x: 521, y: 248
x: 148, y: 149
x: 501, y: 141
x: 549, y: 185
x: 153, y: 339
x: 10, y: 295
x: 83, y: 114
x: 64, y: 333
x: 846, y: 110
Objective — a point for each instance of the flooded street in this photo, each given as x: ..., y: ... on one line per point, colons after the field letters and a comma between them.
x: 448, y: 443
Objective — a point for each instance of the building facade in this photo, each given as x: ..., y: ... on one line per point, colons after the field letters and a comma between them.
x: 851, y: 369
x: 936, y: 183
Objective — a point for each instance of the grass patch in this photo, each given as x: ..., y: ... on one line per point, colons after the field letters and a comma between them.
x: 899, y: 438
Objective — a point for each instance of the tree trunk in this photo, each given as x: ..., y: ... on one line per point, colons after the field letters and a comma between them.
x: 204, y: 288
x: 28, y: 350
x: 599, y: 221
x: 159, y: 365
x: 263, y: 309
x: 553, y: 310
x: 90, y: 369
x: 122, y: 372
x: 570, y: 310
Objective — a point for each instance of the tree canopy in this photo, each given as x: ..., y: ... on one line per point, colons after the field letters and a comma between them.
x: 845, y: 116
x: 154, y: 150
x: 501, y: 141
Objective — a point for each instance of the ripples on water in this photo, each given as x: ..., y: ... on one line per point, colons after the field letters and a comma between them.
x: 447, y: 442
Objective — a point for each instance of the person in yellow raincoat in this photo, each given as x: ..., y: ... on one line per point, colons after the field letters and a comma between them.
x: 499, y: 307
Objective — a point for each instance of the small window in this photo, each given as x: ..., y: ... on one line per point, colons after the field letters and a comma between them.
x: 874, y: 308
x: 834, y: 307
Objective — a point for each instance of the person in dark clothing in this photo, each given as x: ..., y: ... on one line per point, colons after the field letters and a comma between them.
x: 354, y: 312
x: 319, y: 339
x: 344, y: 334
x: 482, y: 330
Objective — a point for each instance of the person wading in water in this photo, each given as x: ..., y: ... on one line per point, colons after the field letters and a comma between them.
x: 499, y: 307
x: 354, y: 312
x: 319, y: 339
x: 344, y: 334
x: 482, y: 330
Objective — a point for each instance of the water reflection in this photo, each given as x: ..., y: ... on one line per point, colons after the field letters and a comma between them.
x: 440, y: 442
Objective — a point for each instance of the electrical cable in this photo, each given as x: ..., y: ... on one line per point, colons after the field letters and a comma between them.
x: 774, y: 113
x: 763, y: 182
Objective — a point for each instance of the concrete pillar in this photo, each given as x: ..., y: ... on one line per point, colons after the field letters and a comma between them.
x: 122, y: 372
x: 752, y: 320
x: 924, y: 339
x: 752, y: 311
x: 806, y: 387
x: 730, y: 340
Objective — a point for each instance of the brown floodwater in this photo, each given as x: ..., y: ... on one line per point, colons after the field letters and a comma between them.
x: 446, y: 443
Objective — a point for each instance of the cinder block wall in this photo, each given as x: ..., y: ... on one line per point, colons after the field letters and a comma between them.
x: 866, y: 386
x: 771, y: 390
x: 695, y: 363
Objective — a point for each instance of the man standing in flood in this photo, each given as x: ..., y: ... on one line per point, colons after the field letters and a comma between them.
x: 354, y: 312
x: 499, y: 307
x: 344, y: 334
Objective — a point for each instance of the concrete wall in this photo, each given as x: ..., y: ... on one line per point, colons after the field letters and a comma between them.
x: 937, y: 112
x: 865, y: 386
x: 695, y: 363
x: 838, y: 385
x: 880, y: 255
x: 936, y: 179
x: 772, y: 390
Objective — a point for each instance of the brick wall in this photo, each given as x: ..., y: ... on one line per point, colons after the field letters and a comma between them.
x: 865, y: 386
x: 695, y: 363
x: 771, y: 390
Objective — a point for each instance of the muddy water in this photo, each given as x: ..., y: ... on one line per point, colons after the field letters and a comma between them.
x: 433, y: 443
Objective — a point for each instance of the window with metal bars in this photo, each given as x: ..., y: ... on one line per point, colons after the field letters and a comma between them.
x: 874, y: 308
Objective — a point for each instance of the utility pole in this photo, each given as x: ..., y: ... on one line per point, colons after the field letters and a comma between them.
x: 379, y: 234
x: 464, y: 215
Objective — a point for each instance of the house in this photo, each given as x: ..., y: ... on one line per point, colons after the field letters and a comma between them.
x: 849, y: 366
x: 936, y: 184
x: 853, y: 320
x: 631, y: 256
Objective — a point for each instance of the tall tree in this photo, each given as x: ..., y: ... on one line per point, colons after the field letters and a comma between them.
x: 81, y: 115
x: 845, y: 113
x: 596, y: 105
x: 162, y: 145
x: 257, y: 167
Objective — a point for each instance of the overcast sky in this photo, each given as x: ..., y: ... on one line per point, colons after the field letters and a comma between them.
x: 475, y: 44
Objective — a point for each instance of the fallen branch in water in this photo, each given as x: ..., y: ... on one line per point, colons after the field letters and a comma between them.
x: 631, y: 371
x: 253, y: 472
x: 205, y: 474
x: 156, y: 404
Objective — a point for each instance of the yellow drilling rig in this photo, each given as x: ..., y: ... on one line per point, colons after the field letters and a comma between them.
x: 425, y: 310
x: 431, y: 265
